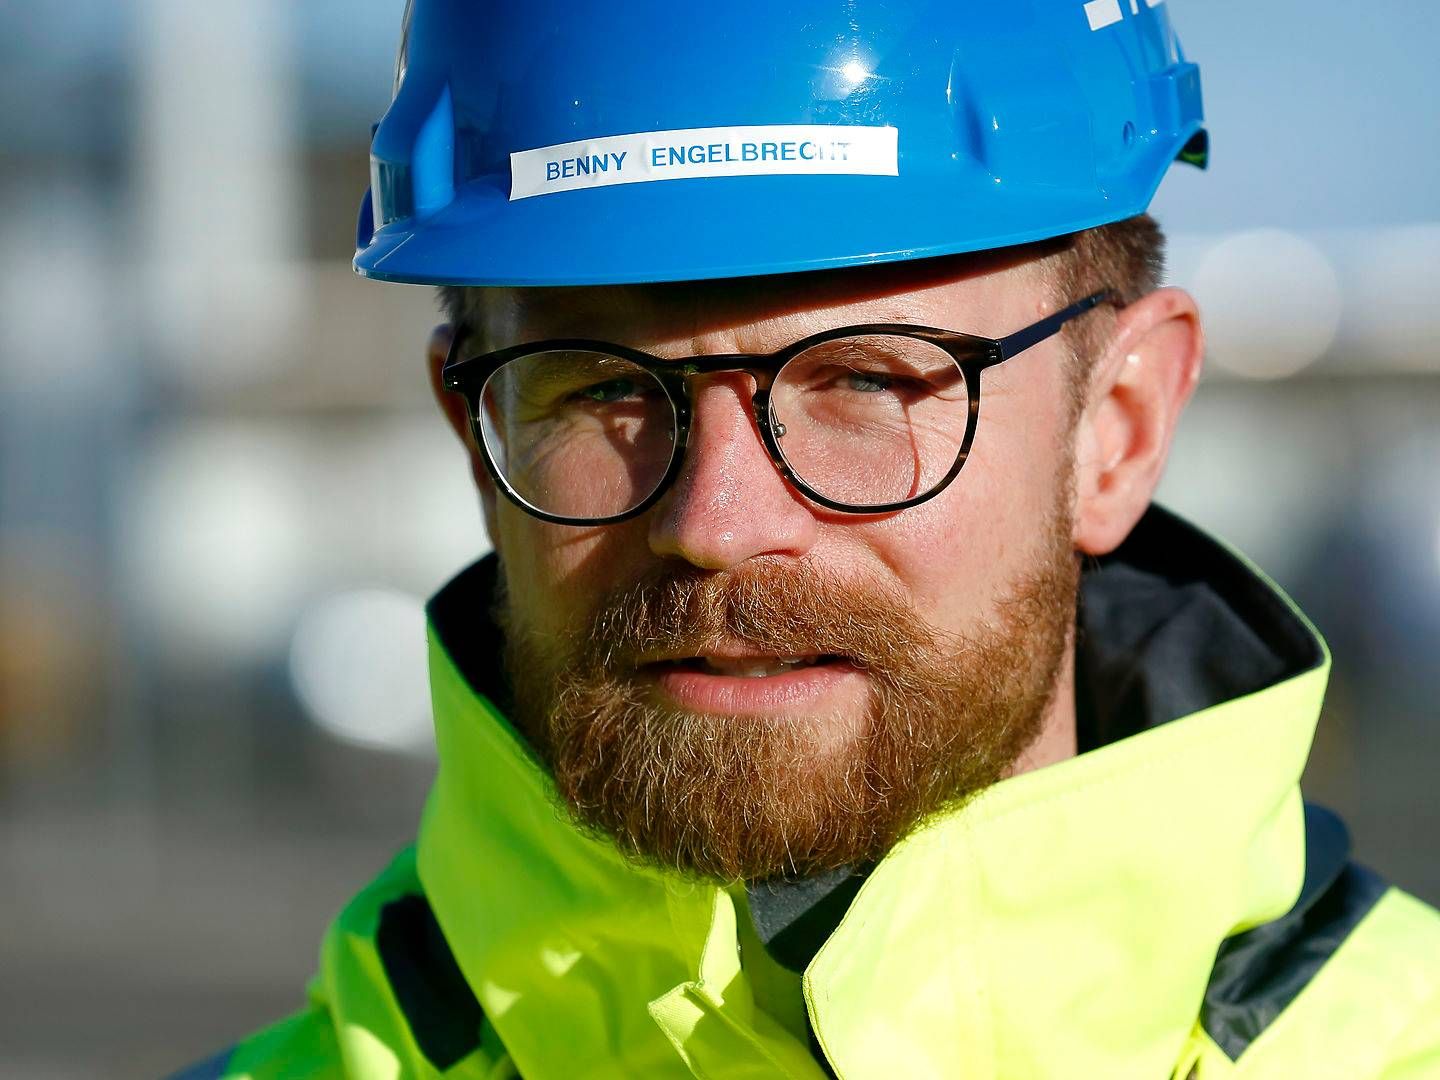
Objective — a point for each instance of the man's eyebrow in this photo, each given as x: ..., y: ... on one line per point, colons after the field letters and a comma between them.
x: 897, y: 315
x: 573, y: 327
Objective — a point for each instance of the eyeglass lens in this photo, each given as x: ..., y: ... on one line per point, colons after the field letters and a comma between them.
x: 863, y: 421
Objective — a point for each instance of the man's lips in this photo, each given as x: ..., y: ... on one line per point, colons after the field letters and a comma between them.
x: 750, y: 681
x: 746, y: 667
x: 738, y: 661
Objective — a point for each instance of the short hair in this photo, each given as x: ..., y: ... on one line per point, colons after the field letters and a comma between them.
x: 1126, y: 257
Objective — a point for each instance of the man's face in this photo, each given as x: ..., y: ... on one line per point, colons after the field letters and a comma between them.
x: 741, y: 683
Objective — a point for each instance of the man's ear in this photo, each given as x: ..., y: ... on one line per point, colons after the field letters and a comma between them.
x: 1137, y: 391
x: 456, y: 412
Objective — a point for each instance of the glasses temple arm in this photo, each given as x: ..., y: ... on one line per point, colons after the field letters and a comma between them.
x: 1021, y: 340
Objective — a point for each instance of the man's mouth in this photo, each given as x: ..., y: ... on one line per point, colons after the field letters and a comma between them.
x: 746, y: 667
x: 734, y: 678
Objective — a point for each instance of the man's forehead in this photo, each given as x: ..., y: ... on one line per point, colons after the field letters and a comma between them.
x: 785, y: 304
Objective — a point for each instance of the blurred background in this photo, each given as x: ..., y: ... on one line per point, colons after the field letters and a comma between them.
x: 224, y: 495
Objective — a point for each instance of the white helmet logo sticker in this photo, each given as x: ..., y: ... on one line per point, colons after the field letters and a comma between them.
x: 814, y: 149
x: 1103, y: 13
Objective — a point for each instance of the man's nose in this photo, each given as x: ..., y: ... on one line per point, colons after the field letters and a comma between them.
x: 729, y: 502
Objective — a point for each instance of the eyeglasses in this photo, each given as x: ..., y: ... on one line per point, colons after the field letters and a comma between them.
x: 862, y: 419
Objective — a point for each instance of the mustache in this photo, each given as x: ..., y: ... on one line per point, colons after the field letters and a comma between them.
x: 785, y: 609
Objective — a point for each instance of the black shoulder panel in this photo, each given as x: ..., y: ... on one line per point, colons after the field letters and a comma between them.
x: 438, y: 1004
x: 1259, y: 973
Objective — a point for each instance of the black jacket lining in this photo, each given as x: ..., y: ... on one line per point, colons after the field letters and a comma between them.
x: 792, y: 918
x: 463, y: 616
x: 1171, y: 623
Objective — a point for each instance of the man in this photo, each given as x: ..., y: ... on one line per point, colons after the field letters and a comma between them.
x: 772, y: 742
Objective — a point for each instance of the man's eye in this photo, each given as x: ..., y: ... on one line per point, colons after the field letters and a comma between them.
x: 869, y: 382
x: 612, y: 390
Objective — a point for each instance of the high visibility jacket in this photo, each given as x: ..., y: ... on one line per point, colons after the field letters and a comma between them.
x: 1162, y: 905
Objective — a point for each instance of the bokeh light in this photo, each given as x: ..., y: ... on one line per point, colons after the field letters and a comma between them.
x: 357, y: 661
x: 1272, y: 300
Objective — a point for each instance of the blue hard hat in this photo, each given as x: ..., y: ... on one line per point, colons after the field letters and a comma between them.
x: 566, y: 142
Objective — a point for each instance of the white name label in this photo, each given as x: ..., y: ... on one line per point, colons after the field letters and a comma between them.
x: 692, y: 152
